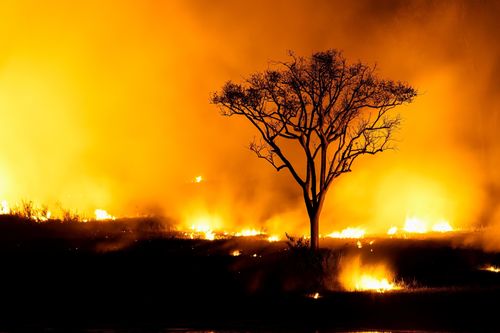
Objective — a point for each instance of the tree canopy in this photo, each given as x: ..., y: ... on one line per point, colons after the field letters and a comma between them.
x: 331, y: 110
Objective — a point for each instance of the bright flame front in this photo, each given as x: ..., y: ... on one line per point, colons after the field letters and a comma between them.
x: 348, y: 233
x: 248, y: 233
x: 419, y: 225
x: 356, y: 276
x: 491, y: 268
x: 102, y: 215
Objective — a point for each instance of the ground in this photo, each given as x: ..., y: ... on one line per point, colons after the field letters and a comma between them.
x: 135, y: 273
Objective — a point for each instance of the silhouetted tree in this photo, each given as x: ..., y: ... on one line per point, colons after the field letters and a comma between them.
x: 332, y: 111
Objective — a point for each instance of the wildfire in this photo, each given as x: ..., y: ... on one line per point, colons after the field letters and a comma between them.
x: 367, y: 282
x: 415, y: 225
x: 102, y: 215
x: 43, y: 216
x: 198, y: 179
x: 356, y: 276
x: 273, y: 238
x: 442, y: 226
x: 203, y: 229
x: 491, y: 268
x: 421, y: 226
x: 211, y: 227
x: 248, y: 233
x: 348, y: 233
x: 236, y: 253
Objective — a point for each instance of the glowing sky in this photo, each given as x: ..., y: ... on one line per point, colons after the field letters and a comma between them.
x: 106, y: 104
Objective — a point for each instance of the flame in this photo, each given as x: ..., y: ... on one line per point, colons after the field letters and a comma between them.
x: 356, y: 276
x: 491, y: 268
x: 203, y: 226
x: 236, y: 253
x: 442, y: 226
x: 248, y: 233
x: 4, y: 207
x: 210, y: 227
x: 102, y: 215
x: 348, y: 233
x: 273, y: 238
x: 204, y: 229
x: 368, y: 282
x: 315, y: 295
x: 42, y: 216
x: 209, y: 235
x: 415, y: 225
x: 80, y: 113
x: 418, y: 225
x: 198, y: 179
x: 392, y: 231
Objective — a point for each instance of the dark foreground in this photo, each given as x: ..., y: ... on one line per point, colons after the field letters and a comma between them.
x: 132, y: 274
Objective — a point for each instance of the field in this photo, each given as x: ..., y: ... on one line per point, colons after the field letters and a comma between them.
x: 137, y: 273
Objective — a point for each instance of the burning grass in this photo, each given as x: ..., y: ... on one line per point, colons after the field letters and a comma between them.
x: 490, y: 268
x: 258, y: 265
x: 355, y: 275
x: 348, y: 233
x: 212, y: 226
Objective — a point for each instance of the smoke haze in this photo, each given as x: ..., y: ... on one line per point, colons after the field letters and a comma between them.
x: 106, y: 105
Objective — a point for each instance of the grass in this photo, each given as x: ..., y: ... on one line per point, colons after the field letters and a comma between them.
x: 139, y: 272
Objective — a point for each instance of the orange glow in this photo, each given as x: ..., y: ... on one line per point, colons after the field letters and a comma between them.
x: 357, y: 276
x: 104, y: 104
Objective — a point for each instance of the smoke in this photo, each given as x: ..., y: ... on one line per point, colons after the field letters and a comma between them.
x: 106, y: 106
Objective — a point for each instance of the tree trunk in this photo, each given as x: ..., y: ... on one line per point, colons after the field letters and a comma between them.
x: 314, y: 221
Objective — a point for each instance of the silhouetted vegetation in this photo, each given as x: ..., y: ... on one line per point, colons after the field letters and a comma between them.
x: 330, y: 112
x: 124, y: 272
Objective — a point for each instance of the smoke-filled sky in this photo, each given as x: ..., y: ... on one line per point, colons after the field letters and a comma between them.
x: 105, y: 104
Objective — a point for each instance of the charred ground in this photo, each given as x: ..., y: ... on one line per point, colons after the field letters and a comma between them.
x: 137, y: 272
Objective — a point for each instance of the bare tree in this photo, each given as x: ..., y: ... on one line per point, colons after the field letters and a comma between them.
x: 331, y: 111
